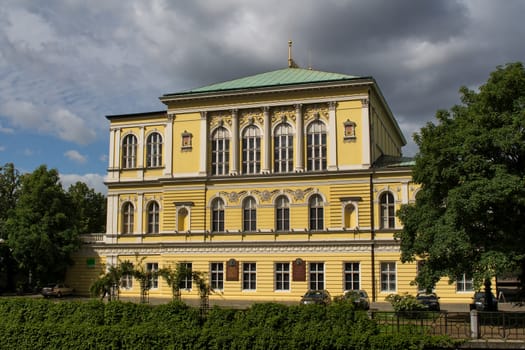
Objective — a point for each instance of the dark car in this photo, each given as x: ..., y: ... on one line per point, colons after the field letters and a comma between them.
x: 57, y: 290
x: 429, y: 300
x: 320, y: 297
x: 481, y: 305
x: 359, y: 298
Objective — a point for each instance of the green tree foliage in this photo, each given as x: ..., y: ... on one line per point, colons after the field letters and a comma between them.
x: 89, y: 208
x: 40, y: 229
x: 469, y: 215
x: 9, y: 186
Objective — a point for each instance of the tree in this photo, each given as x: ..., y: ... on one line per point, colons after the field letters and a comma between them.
x: 174, y: 278
x: 89, y: 208
x: 469, y: 214
x: 9, y: 186
x: 108, y: 283
x: 40, y: 231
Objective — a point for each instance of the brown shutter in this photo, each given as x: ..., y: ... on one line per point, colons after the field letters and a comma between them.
x: 299, y: 270
x: 232, y: 270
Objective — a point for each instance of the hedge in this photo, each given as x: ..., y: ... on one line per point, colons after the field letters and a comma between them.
x: 45, y: 324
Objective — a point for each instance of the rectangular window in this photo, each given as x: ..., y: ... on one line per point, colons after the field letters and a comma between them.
x: 217, y: 276
x: 464, y: 284
x: 249, y: 276
x: 317, y: 276
x: 388, y: 276
x: 282, y: 276
x: 126, y: 282
x: 352, y: 276
x: 186, y: 281
x: 154, y: 280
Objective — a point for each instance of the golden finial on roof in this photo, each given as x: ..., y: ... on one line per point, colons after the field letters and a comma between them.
x: 291, y: 62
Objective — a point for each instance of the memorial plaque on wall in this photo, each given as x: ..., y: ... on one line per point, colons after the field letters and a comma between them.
x: 299, y: 270
x: 232, y: 270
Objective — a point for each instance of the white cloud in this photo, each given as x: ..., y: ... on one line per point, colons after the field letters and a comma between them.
x: 94, y: 181
x: 103, y: 158
x: 2, y: 148
x: 28, y: 152
x: 76, y: 156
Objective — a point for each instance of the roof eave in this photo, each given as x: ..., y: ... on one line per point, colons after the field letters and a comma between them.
x: 184, y: 96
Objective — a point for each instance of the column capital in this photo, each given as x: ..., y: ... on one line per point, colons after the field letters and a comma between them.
x: 204, y: 114
x: 365, y: 102
x: 332, y: 105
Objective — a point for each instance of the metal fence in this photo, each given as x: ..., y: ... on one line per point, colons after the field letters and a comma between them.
x: 458, y: 325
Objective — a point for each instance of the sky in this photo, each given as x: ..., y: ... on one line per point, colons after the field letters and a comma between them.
x: 66, y: 64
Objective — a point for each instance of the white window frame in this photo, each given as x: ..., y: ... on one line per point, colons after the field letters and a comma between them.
x: 217, y: 275
x: 282, y: 276
x: 249, y: 276
x: 351, y: 275
x: 316, y: 276
x: 388, y: 273
x: 154, y: 150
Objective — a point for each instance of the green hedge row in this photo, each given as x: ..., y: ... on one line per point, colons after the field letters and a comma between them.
x: 44, y: 324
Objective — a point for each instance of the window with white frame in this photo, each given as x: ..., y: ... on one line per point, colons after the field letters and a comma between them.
x: 282, y: 214
x: 153, y: 217
x: 220, y: 152
x: 154, y: 150
x: 316, y: 213
x: 464, y: 283
x: 388, y: 277
x: 217, y: 275
x: 153, y: 268
x: 387, y: 212
x: 316, y: 275
x: 249, y: 215
x: 251, y: 150
x: 283, y: 149
x: 217, y: 215
x: 126, y: 281
x: 128, y: 217
x: 316, y: 146
x: 282, y: 276
x: 352, y: 275
x: 129, y: 152
x: 249, y: 276
x: 186, y: 282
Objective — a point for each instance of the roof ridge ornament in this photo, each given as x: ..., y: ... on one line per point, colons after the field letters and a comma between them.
x: 291, y: 62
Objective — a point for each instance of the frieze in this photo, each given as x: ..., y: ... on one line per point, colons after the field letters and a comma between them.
x: 266, y: 249
x: 220, y: 118
x: 299, y: 194
x: 251, y: 117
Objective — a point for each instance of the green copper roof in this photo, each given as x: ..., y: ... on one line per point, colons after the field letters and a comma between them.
x: 286, y: 76
x: 394, y: 162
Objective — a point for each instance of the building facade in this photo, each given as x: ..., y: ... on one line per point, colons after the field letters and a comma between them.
x: 271, y: 184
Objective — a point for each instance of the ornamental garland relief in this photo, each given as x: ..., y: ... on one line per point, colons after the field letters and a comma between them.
x: 266, y: 195
x: 315, y: 111
x: 217, y: 119
x: 281, y: 114
x: 251, y: 117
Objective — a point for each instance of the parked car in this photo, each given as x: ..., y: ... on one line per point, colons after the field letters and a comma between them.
x: 359, y: 298
x: 480, y: 305
x: 429, y: 300
x: 57, y: 290
x: 320, y: 297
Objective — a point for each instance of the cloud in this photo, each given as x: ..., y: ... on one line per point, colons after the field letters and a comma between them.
x: 5, y: 130
x: 2, y: 148
x: 76, y: 156
x: 55, y: 121
x: 94, y: 181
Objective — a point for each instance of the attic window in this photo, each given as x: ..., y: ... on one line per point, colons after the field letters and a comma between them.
x: 349, y: 128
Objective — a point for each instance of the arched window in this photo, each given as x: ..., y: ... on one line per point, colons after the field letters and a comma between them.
x: 249, y: 215
x: 154, y: 150
x: 283, y: 148
x: 153, y: 217
x: 128, y: 214
x: 217, y: 215
x: 316, y: 213
x: 220, y: 152
x: 282, y: 214
x: 251, y: 150
x: 387, y: 210
x: 129, y: 151
x: 316, y: 146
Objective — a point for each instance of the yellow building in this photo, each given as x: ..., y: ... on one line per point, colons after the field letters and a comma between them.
x: 271, y: 184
